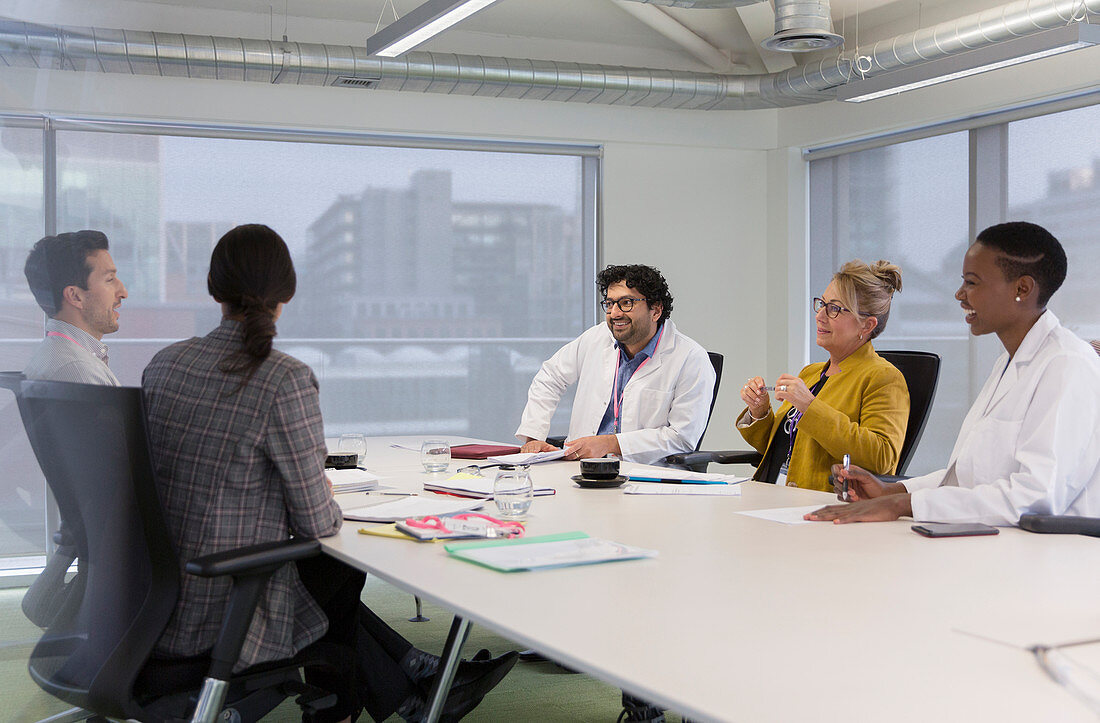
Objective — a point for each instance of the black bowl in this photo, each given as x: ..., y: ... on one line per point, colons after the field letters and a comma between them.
x: 602, y: 468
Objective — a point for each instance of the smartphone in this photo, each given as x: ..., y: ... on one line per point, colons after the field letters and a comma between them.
x: 952, y: 529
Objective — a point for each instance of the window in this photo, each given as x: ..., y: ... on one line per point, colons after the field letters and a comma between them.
x: 409, y: 325
x: 915, y: 202
x: 22, y: 491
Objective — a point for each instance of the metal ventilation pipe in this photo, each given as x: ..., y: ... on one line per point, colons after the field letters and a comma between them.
x: 704, y: 4
x: 802, y: 26
x: 266, y: 61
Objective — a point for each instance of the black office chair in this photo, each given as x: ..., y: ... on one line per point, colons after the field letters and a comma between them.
x: 92, y: 446
x: 921, y: 370
x: 717, y: 361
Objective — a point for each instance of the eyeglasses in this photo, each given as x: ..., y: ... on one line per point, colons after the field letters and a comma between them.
x: 625, y: 304
x: 831, y: 310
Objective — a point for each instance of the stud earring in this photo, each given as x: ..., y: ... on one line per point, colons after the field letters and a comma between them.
x: 861, y: 337
x: 1017, y: 299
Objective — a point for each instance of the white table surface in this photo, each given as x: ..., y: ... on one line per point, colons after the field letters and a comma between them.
x: 751, y: 620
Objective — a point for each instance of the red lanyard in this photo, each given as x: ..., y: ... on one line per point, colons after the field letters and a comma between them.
x: 616, y: 400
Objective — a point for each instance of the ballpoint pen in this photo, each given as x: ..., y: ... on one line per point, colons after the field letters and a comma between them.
x: 847, y: 463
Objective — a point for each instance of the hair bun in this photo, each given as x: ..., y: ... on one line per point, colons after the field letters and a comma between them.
x: 889, y: 273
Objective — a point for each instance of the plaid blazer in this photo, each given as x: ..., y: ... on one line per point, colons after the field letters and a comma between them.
x: 238, y: 466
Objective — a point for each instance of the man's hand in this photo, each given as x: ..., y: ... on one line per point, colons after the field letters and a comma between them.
x: 880, y: 509
x: 536, y: 445
x: 600, y: 445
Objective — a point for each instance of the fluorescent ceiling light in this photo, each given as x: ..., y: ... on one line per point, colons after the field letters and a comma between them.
x: 421, y: 24
x: 972, y: 62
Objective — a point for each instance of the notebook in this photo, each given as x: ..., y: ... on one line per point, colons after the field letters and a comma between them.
x: 481, y: 451
x: 468, y: 485
x: 545, y: 551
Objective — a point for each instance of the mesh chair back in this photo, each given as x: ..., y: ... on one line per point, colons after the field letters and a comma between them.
x: 921, y: 370
x: 716, y: 361
x: 92, y: 446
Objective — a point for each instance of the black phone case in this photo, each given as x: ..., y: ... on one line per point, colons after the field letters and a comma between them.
x: 962, y: 530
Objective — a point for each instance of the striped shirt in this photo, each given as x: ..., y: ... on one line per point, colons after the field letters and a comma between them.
x: 69, y: 354
x: 238, y: 465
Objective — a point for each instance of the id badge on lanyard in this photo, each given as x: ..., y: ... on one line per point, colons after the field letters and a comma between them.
x: 791, y: 428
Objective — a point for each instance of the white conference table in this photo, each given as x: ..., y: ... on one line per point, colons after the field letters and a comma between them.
x: 742, y: 619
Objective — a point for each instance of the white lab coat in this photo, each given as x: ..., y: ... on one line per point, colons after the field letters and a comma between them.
x: 1029, y: 443
x: 666, y: 402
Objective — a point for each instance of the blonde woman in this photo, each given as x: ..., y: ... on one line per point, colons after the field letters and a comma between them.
x: 856, y: 403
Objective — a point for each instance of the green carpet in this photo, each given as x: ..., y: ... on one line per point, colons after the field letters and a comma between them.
x: 531, y: 692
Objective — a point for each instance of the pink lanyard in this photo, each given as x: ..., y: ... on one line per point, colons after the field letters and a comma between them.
x: 63, y: 336
x: 66, y: 336
x: 616, y: 400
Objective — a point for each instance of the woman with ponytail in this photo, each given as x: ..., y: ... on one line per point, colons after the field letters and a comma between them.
x: 857, y: 403
x: 239, y: 449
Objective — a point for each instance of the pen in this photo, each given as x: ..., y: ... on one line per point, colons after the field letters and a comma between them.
x: 400, y: 494
x: 847, y: 463
x: 769, y: 389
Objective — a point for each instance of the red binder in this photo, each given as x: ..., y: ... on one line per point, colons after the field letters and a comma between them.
x: 481, y: 451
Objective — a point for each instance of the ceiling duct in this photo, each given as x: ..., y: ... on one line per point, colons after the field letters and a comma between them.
x: 700, y: 4
x: 133, y: 52
x: 802, y: 26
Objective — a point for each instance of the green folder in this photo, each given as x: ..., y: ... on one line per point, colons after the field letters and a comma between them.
x: 565, y: 549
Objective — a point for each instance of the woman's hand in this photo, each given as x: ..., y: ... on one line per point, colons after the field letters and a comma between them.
x: 756, y: 397
x: 881, y: 509
x: 789, y: 388
x: 862, y: 485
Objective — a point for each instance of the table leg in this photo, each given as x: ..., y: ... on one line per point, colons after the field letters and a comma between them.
x: 456, y: 638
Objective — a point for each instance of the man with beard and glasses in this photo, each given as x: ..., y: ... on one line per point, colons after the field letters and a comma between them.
x: 643, y: 388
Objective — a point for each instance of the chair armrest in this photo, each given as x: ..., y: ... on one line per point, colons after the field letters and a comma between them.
x: 251, y: 567
x: 254, y: 559
x: 733, y: 456
x: 698, y: 461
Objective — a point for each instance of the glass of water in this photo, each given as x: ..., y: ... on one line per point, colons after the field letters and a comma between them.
x: 512, y: 491
x: 435, y: 455
x: 353, y: 442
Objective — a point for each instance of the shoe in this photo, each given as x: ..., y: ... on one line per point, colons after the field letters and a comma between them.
x: 462, y: 698
x: 421, y: 667
x: 637, y: 710
x: 532, y: 656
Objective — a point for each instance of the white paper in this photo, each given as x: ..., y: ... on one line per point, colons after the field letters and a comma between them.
x: 644, y: 472
x: 528, y: 457
x: 473, y: 486
x: 351, y: 480
x: 701, y: 490
x: 405, y: 507
x: 786, y: 515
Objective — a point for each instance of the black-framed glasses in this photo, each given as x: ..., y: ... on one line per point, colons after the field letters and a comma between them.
x: 831, y: 310
x: 625, y: 304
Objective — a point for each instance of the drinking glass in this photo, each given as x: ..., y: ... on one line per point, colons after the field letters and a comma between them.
x: 353, y: 442
x: 435, y: 455
x: 513, y: 491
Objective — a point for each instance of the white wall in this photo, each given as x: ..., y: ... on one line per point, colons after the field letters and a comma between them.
x: 685, y: 191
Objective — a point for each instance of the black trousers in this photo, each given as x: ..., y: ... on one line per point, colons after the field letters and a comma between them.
x: 375, y: 681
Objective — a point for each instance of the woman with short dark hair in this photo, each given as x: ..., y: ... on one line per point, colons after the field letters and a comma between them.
x: 1029, y: 442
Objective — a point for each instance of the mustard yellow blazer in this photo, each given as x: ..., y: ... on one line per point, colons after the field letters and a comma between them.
x: 862, y: 410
